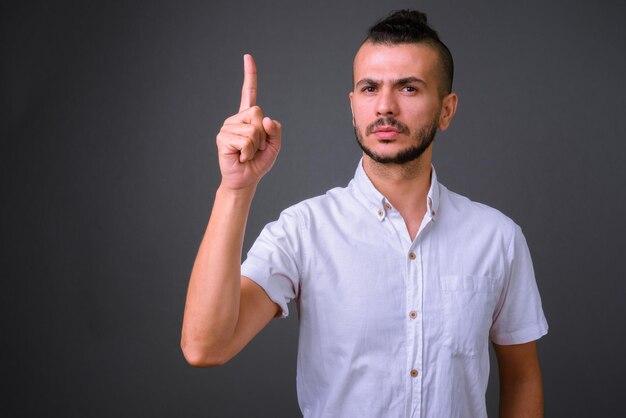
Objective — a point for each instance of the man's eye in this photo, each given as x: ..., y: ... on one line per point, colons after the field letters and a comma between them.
x: 369, y: 89
x: 410, y: 89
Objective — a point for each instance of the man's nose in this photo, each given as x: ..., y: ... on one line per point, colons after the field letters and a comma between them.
x: 386, y: 104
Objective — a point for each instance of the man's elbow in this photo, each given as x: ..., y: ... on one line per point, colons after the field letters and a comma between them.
x: 201, y: 357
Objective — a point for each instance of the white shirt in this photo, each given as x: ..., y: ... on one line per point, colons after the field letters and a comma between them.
x: 391, y: 327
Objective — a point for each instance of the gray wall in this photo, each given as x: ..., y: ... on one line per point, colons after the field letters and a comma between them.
x: 109, y: 114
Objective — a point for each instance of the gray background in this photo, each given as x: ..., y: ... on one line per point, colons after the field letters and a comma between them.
x: 109, y: 114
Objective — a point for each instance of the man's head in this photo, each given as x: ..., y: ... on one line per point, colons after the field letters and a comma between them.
x: 411, y: 27
x: 401, y: 96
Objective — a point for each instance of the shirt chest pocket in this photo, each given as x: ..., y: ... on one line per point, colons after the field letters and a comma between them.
x: 469, y: 303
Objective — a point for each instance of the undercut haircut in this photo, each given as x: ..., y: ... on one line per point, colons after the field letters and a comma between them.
x: 411, y: 27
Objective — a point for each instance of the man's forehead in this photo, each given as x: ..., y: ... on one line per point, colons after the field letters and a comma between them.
x: 394, y: 61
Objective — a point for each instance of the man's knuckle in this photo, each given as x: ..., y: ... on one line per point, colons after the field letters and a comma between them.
x: 250, y: 130
x: 256, y: 110
x: 250, y: 142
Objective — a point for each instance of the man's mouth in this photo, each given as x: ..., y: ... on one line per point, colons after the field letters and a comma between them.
x: 386, y: 132
x: 387, y: 128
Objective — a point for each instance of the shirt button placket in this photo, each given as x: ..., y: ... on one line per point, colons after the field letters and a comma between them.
x: 414, y: 399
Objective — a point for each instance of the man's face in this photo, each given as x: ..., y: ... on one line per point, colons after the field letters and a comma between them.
x: 396, y: 104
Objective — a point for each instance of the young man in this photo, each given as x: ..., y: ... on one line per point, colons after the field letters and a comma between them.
x: 399, y: 282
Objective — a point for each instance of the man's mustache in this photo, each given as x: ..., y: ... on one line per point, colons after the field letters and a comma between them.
x: 401, y: 127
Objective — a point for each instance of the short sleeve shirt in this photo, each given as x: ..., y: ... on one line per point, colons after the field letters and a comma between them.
x: 391, y: 326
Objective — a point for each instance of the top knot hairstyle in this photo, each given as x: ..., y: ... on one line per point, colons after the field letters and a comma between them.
x: 411, y: 27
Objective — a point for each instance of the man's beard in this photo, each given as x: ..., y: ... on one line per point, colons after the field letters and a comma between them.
x: 421, y: 139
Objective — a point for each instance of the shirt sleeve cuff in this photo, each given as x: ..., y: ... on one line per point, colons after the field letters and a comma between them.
x: 271, y: 287
x: 521, y: 336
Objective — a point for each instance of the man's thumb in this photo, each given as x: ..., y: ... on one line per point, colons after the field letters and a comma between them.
x: 272, y: 128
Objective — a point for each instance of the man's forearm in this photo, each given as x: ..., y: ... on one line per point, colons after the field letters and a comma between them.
x: 521, y: 387
x: 213, y: 298
x: 521, y: 397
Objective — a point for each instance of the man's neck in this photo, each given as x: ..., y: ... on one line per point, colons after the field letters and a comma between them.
x: 404, y: 185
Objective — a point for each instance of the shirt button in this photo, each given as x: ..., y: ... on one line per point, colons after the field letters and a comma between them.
x: 412, y: 255
x: 412, y: 314
x: 380, y: 212
x: 387, y: 206
x: 433, y: 213
x: 414, y: 373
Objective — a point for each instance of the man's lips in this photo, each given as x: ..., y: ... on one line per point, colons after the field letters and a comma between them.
x: 386, y: 132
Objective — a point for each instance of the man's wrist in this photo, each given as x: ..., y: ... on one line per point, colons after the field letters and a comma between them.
x: 236, y: 193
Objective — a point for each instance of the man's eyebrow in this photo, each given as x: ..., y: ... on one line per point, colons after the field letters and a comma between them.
x: 399, y: 82
x: 367, y: 82
x: 409, y: 80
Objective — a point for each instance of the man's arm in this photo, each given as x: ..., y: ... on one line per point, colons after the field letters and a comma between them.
x: 521, y: 388
x: 225, y: 310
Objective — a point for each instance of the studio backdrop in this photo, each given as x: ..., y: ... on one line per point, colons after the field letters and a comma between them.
x: 109, y: 169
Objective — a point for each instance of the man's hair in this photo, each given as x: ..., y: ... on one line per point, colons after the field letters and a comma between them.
x: 411, y: 27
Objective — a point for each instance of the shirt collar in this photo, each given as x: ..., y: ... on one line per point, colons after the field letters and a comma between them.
x: 379, y: 205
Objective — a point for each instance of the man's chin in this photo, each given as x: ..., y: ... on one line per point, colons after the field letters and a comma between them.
x: 391, y: 160
x: 392, y: 153
x: 392, y: 157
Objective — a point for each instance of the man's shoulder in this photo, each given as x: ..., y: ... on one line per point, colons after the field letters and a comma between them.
x: 324, y: 204
x: 334, y: 196
x: 460, y: 208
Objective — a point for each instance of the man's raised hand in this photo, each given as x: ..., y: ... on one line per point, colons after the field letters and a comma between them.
x: 248, y: 142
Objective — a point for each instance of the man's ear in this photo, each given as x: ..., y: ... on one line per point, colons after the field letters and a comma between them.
x: 350, y: 95
x: 448, y: 110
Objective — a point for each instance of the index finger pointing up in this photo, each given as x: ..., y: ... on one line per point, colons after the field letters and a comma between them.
x: 248, y: 91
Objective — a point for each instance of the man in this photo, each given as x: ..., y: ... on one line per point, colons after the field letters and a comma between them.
x: 399, y: 282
